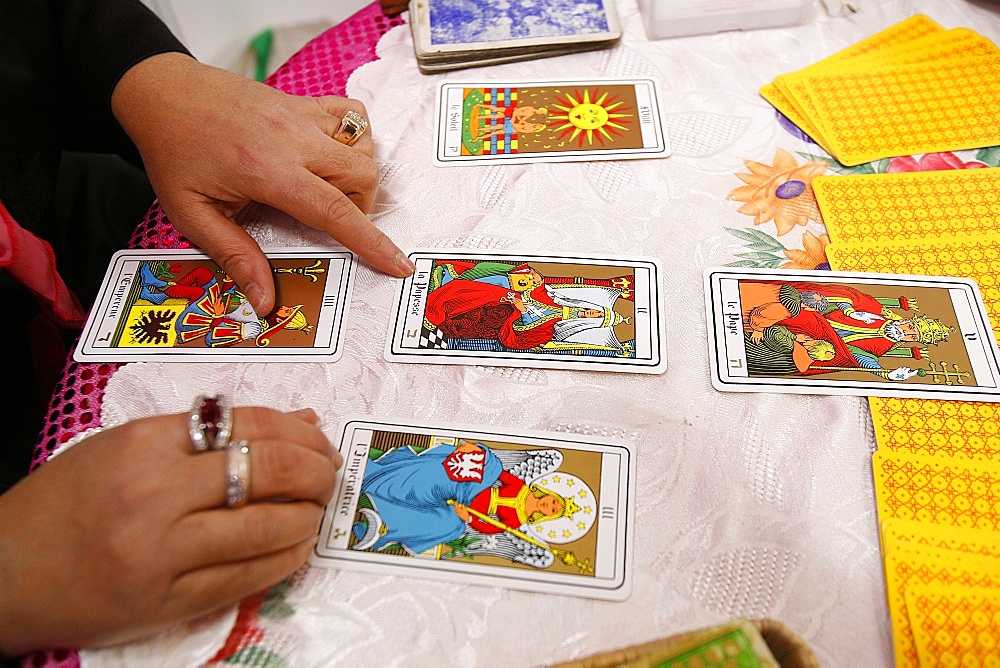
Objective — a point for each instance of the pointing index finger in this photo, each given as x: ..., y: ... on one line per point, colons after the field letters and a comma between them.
x: 322, y: 206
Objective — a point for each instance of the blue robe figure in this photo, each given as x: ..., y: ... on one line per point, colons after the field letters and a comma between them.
x: 410, y: 494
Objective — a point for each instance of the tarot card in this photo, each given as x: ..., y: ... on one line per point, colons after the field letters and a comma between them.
x: 548, y: 121
x: 548, y: 512
x: 810, y: 332
x: 552, y: 312
x: 179, y: 306
x: 448, y: 26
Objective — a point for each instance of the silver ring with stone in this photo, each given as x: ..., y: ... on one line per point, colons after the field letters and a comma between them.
x: 210, y: 422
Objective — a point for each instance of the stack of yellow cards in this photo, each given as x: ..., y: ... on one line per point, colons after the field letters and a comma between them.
x: 912, y: 88
x: 937, y: 468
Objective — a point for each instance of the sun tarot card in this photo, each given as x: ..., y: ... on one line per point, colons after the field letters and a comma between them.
x: 810, y: 332
x: 550, y: 312
x: 447, y: 26
x: 553, y: 121
x: 546, y: 512
x: 179, y: 306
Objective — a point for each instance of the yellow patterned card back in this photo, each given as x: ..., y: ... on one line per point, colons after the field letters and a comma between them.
x: 960, y: 429
x: 939, y: 490
x: 790, y: 92
x: 909, y: 567
x: 955, y: 626
x: 904, y: 32
x: 896, y: 532
x: 876, y: 112
x: 911, y: 205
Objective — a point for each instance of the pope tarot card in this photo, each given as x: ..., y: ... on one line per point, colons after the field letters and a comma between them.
x: 586, y: 313
x: 850, y: 333
x: 178, y: 305
x: 548, y: 122
x: 536, y: 511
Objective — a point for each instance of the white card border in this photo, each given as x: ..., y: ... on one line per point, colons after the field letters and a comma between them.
x: 333, y: 350
x: 655, y: 129
x: 617, y: 587
x: 657, y: 363
x: 718, y: 319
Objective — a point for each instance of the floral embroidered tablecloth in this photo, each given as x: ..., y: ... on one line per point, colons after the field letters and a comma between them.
x: 755, y: 505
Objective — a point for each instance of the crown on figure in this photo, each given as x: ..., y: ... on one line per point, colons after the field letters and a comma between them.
x: 931, y: 330
x: 569, y: 505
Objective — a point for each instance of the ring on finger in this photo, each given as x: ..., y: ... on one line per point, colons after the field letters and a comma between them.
x: 352, y: 126
x: 237, y: 473
x: 210, y: 422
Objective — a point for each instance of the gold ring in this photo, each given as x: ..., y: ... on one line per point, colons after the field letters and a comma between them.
x: 352, y: 126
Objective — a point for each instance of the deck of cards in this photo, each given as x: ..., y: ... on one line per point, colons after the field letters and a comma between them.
x: 912, y: 88
x: 455, y: 34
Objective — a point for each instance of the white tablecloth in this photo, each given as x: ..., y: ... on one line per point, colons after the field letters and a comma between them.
x: 755, y: 505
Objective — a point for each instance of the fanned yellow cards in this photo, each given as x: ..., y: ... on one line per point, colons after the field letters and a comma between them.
x: 913, y: 88
x: 975, y: 256
x: 897, y: 532
x: 876, y: 208
x: 940, y: 490
x: 908, y: 568
x: 955, y: 626
x: 959, y: 429
x: 901, y: 33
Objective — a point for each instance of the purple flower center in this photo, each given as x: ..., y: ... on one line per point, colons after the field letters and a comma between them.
x: 790, y: 189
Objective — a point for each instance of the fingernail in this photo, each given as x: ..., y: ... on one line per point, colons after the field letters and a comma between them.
x: 338, y: 459
x: 306, y: 415
x: 255, y: 294
x: 404, y: 264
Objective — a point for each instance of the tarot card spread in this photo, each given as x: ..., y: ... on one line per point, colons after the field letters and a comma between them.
x: 178, y: 305
x: 553, y: 121
x: 599, y: 314
x: 540, y: 512
x: 840, y: 333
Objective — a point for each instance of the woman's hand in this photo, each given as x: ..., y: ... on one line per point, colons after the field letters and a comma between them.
x: 213, y: 141
x: 128, y: 532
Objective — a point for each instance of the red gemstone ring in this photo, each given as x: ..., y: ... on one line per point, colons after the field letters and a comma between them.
x: 210, y: 423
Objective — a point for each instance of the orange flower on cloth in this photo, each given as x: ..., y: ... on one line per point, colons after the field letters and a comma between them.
x: 781, y: 192
x: 812, y: 255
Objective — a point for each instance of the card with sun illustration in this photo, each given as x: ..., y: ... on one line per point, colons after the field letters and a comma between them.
x: 548, y: 121
x: 537, y: 511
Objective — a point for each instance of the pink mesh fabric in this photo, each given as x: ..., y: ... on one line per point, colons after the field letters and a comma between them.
x: 320, y: 68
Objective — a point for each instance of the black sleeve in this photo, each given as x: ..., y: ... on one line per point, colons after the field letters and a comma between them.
x: 59, y: 63
x: 100, y: 40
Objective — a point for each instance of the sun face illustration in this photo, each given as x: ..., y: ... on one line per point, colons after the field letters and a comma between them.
x: 589, y: 116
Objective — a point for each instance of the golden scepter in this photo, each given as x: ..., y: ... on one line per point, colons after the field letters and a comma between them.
x: 567, y: 558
